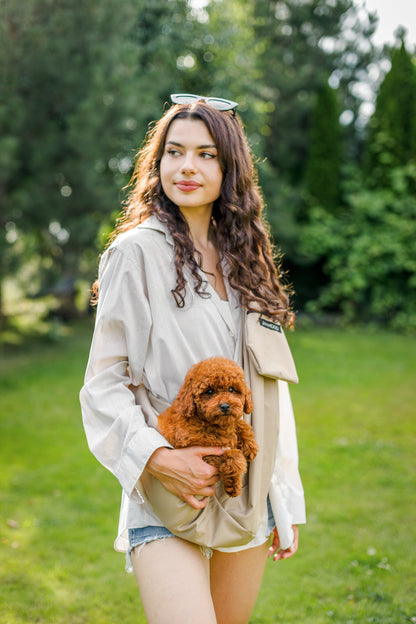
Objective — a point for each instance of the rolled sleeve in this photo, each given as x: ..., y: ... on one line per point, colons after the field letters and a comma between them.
x: 286, y: 492
x: 116, y: 430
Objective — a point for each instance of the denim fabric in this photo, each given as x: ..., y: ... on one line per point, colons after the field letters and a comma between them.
x: 147, y: 534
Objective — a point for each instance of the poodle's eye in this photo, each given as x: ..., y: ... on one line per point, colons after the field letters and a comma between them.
x: 231, y: 389
x: 209, y: 391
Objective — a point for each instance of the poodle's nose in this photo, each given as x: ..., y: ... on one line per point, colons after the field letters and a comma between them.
x: 225, y: 408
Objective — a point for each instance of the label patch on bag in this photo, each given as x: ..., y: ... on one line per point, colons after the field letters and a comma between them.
x: 270, y: 325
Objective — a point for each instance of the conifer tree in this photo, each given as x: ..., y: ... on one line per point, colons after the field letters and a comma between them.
x: 391, y: 138
x: 324, y: 161
x: 301, y: 44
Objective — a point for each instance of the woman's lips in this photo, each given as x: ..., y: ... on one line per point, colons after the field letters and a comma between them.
x: 187, y: 185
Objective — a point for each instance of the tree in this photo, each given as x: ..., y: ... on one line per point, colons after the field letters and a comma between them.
x: 302, y: 43
x: 162, y: 36
x: 63, y: 117
x: 391, y: 138
x: 80, y: 83
x: 220, y: 59
x: 367, y: 251
x: 323, y: 168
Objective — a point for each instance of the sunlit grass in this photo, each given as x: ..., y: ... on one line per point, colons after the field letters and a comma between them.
x: 355, y: 408
x: 58, y: 506
x: 356, y: 426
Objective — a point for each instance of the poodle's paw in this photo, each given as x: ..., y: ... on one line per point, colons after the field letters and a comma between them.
x: 232, y: 485
x: 233, y: 466
x: 250, y: 450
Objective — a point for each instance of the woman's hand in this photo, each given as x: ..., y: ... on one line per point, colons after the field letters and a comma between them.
x: 276, y: 552
x: 184, y: 473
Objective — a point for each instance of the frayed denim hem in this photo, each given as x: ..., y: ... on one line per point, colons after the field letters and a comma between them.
x: 129, y: 565
x: 138, y: 538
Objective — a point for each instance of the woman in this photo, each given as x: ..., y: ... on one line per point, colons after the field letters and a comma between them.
x: 190, y: 252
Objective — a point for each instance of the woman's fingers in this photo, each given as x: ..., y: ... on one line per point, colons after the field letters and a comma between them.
x: 196, y: 502
x: 287, y: 552
x: 208, y: 450
x: 184, y: 472
x: 275, y: 544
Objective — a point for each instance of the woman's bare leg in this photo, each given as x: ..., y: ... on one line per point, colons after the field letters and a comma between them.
x: 235, y: 583
x: 174, y: 584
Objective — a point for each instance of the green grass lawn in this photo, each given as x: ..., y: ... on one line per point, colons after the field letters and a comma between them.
x: 355, y: 410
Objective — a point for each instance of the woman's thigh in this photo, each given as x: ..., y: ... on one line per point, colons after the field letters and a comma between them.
x: 235, y: 583
x: 174, y: 584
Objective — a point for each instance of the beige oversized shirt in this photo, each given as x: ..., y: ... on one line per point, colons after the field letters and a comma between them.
x: 142, y: 337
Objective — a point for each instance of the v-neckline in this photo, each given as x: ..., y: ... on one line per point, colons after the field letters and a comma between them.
x: 214, y: 290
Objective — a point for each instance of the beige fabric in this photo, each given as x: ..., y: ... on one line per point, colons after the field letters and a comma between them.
x: 263, y: 338
x: 226, y: 521
x: 142, y: 337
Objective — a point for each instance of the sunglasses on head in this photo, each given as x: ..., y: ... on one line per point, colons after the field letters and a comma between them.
x: 217, y: 103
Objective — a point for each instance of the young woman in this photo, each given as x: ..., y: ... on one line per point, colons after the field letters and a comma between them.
x: 190, y: 253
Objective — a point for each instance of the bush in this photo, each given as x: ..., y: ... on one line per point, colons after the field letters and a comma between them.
x: 369, y: 253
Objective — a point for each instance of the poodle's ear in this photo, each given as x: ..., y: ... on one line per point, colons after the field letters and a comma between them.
x: 184, y: 402
x: 248, y: 405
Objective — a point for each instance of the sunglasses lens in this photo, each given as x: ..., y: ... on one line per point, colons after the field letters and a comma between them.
x: 217, y: 103
x: 184, y: 98
x: 220, y: 104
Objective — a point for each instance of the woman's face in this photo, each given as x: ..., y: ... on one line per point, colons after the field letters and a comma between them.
x: 190, y: 172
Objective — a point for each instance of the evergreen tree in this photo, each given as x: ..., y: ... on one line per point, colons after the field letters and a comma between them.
x: 302, y: 43
x: 391, y: 138
x: 325, y: 153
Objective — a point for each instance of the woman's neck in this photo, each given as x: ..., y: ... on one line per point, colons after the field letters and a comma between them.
x: 199, y: 222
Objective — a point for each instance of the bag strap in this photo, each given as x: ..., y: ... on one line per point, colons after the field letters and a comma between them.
x: 265, y: 423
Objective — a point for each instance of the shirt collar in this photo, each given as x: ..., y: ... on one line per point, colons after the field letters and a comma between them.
x: 153, y: 223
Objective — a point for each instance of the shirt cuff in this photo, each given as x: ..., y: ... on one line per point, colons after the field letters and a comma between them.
x: 144, y: 444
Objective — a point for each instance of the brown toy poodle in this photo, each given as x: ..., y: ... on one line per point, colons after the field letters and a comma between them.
x: 208, y: 412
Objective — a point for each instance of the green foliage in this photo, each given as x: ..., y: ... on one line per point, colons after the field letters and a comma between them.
x: 161, y: 36
x: 392, y: 130
x: 356, y: 429
x: 64, y: 83
x: 368, y: 249
x: 323, y: 167
x: 80, y: 83
x: 223, y: 50
x: 300, y: 44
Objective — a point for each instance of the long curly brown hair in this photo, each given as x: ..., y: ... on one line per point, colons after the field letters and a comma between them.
x: 240, y: 230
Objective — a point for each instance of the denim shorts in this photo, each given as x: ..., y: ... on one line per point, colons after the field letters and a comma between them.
x: 144, y: 535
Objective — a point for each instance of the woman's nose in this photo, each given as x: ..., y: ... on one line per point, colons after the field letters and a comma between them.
x: 188, y: 164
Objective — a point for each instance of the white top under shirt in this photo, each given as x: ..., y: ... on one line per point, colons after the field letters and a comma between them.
x: 141, y: 336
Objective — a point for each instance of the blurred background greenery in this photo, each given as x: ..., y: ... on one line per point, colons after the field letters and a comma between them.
x: 331, y: 118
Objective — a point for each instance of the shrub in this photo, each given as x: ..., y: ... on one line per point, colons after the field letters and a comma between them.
x: 368, y: 249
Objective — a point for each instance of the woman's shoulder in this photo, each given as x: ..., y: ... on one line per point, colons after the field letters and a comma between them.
x: 145, y: 237
x: 145, y: 245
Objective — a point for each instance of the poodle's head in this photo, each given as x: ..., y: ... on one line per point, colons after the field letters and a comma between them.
x: 215, y: 390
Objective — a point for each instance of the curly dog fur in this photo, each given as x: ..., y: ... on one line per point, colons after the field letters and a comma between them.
x: 208, y: 412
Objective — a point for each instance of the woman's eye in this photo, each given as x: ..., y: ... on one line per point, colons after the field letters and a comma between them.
x: 173, y: 152
x: 207, y: 155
